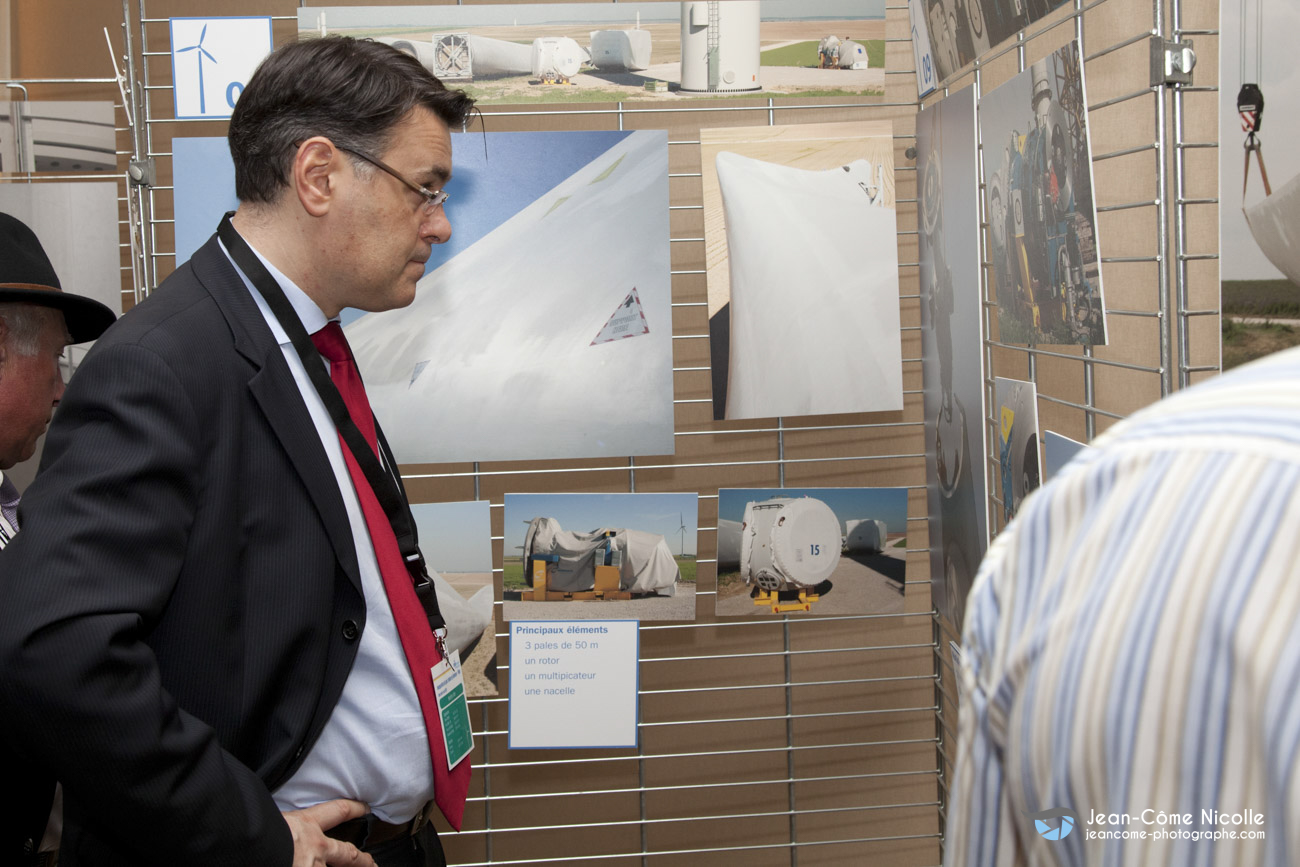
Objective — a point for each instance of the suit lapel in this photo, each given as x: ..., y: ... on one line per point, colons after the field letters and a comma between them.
x: 276, y: 393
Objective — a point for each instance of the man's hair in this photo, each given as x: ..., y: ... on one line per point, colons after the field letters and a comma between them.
x: 351, y: 91
x: 24, y: 325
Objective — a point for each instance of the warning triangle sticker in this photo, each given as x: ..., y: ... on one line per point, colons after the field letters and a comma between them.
x: 628, y: 321
x: 416, y: 371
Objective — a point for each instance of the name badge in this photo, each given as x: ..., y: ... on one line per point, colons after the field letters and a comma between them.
x: 453, y: 711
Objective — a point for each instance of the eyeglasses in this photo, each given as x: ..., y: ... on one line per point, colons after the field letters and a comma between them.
x: 432, y: 198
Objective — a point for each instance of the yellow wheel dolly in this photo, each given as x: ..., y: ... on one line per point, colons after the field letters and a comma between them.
x: 792, y: 599
x: 607, y: 584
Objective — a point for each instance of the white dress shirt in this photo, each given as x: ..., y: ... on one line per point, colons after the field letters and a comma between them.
x: 374, y: 748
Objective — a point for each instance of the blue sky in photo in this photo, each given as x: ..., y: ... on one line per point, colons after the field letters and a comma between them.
x: 455, y: 537
x: 495, y: 175
x: 581, y: 513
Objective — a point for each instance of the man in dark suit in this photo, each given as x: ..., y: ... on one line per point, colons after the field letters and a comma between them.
x: 196, y: 630
x: 37, y: 320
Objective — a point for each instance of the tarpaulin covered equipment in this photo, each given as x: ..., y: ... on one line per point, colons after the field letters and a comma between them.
x: 647, y: 562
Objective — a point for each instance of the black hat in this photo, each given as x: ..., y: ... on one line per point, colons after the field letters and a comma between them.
x: 26, y: 275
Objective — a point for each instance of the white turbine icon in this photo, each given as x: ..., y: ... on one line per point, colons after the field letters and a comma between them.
x: 203, y: 52
x: 681, y: 519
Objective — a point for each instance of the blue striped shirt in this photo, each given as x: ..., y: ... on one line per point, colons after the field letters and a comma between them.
x: 1132, y: 646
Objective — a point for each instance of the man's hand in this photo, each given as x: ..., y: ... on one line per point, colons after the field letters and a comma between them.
x: 312, y: 848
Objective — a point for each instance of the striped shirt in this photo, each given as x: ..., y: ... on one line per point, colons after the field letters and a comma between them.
x: 1132, y: 646
x: 8, y: 509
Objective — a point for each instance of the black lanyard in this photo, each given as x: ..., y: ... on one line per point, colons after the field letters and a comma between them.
x: 386, y: 484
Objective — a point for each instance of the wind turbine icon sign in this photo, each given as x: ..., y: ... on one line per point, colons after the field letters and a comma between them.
x: 202, y: 53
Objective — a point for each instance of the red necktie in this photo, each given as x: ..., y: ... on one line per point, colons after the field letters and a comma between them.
x: 450, y: 786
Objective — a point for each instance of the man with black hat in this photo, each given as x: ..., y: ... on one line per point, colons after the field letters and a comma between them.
x: 37, y: 320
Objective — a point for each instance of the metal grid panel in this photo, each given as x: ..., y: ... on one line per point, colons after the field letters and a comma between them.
x: 768, y: 739
x: 1196, y: 196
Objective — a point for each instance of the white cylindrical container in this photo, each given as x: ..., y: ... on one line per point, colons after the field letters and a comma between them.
x: 853, y: 55
x: 728, y: 544
x: 421, y: 51
x: 498, y: 56
x: 720, y: 46
x: 806, y: 541
x: 620, y: 50
x: 866, y: 536
x: 756, y: 544
x: 557, y: 57
x: 789, y: 541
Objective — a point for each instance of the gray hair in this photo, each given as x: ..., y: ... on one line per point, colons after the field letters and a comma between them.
x: 25, y: 323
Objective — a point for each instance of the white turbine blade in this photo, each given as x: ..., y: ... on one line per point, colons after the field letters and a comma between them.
x: 527, y: 341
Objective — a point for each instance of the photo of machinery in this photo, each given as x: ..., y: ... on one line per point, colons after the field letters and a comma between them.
x: 636, y: 562
x: 1019, y: 462
x: 951, y: 347
x: 1042, y: 221
x: 961, y: 30
x: 630, y: 51
x: 801, y: 251
x: 819, y: 550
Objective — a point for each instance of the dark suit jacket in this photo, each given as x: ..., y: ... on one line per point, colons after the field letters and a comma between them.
x: 22, y: 827
x: 32, y: 787
x: 180, y: 611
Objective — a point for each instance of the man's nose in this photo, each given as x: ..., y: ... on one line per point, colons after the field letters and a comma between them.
x: 436, y: 228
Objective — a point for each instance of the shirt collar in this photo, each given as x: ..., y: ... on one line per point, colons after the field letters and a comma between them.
x: 312, y: 317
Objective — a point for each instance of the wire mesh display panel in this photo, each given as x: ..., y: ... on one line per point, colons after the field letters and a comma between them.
x: 779, y: 739
x: 1159, y: 250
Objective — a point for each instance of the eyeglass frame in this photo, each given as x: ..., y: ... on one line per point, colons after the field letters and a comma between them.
x: 432, y: 198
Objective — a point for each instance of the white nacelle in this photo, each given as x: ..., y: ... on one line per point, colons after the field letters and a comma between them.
x: 853, y: 55
x: 558, y: 57
x: 728, y: 544
x: 620, y: 50
x: 789, y: 541
x: 865, y: 536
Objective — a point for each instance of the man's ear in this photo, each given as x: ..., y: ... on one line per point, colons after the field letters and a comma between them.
x: 313, y: 170
x: 4, y: 342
